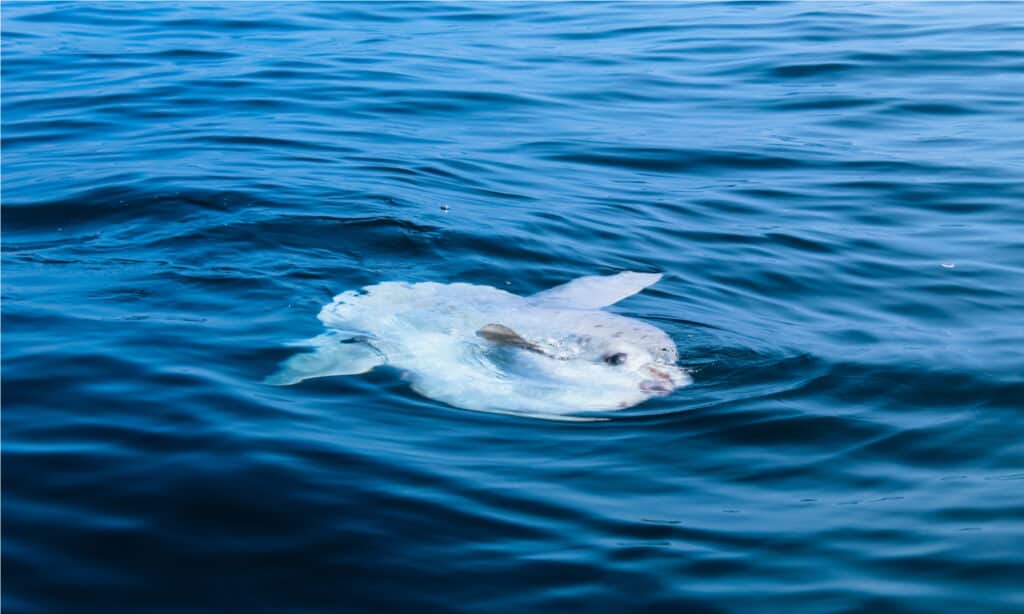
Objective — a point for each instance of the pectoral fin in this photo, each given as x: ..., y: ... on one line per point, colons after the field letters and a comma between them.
x: 499, y: 334
x: 331, y: 355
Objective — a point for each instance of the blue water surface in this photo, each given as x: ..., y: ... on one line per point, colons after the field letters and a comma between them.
x: 834, y: 192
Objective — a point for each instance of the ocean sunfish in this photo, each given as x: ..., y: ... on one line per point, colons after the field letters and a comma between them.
x: 551, y: 354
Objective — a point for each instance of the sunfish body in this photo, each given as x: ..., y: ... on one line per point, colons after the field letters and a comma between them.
x: 551, y: 354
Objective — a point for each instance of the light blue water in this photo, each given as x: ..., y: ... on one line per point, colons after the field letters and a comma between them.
x: 833, y: 192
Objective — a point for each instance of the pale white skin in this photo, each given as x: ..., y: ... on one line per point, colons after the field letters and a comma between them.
x: 573, y: 356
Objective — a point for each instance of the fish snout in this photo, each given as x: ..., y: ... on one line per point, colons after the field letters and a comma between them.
x: 664, y: 379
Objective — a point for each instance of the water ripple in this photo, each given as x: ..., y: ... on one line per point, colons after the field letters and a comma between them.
x: 832, y: 192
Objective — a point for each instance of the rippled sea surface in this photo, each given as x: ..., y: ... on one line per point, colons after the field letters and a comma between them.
x: 834, y: 192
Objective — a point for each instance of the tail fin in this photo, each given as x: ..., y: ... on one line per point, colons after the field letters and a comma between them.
x: 331, y: 355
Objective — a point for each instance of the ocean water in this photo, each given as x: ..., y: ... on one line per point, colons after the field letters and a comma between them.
x: 834, y: 192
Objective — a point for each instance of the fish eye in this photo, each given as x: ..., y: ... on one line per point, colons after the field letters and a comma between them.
x: 615, y: 359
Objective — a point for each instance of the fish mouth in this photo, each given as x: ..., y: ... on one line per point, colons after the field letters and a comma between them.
x: 663, y: 381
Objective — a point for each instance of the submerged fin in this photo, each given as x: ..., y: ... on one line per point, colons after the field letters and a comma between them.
x: 499, y: 334
x: 596, y: 291
x: 332, y: 355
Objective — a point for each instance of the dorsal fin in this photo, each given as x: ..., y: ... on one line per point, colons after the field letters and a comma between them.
x: 595, y: 292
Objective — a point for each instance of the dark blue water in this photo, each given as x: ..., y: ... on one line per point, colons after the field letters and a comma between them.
x: 835, y: 193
